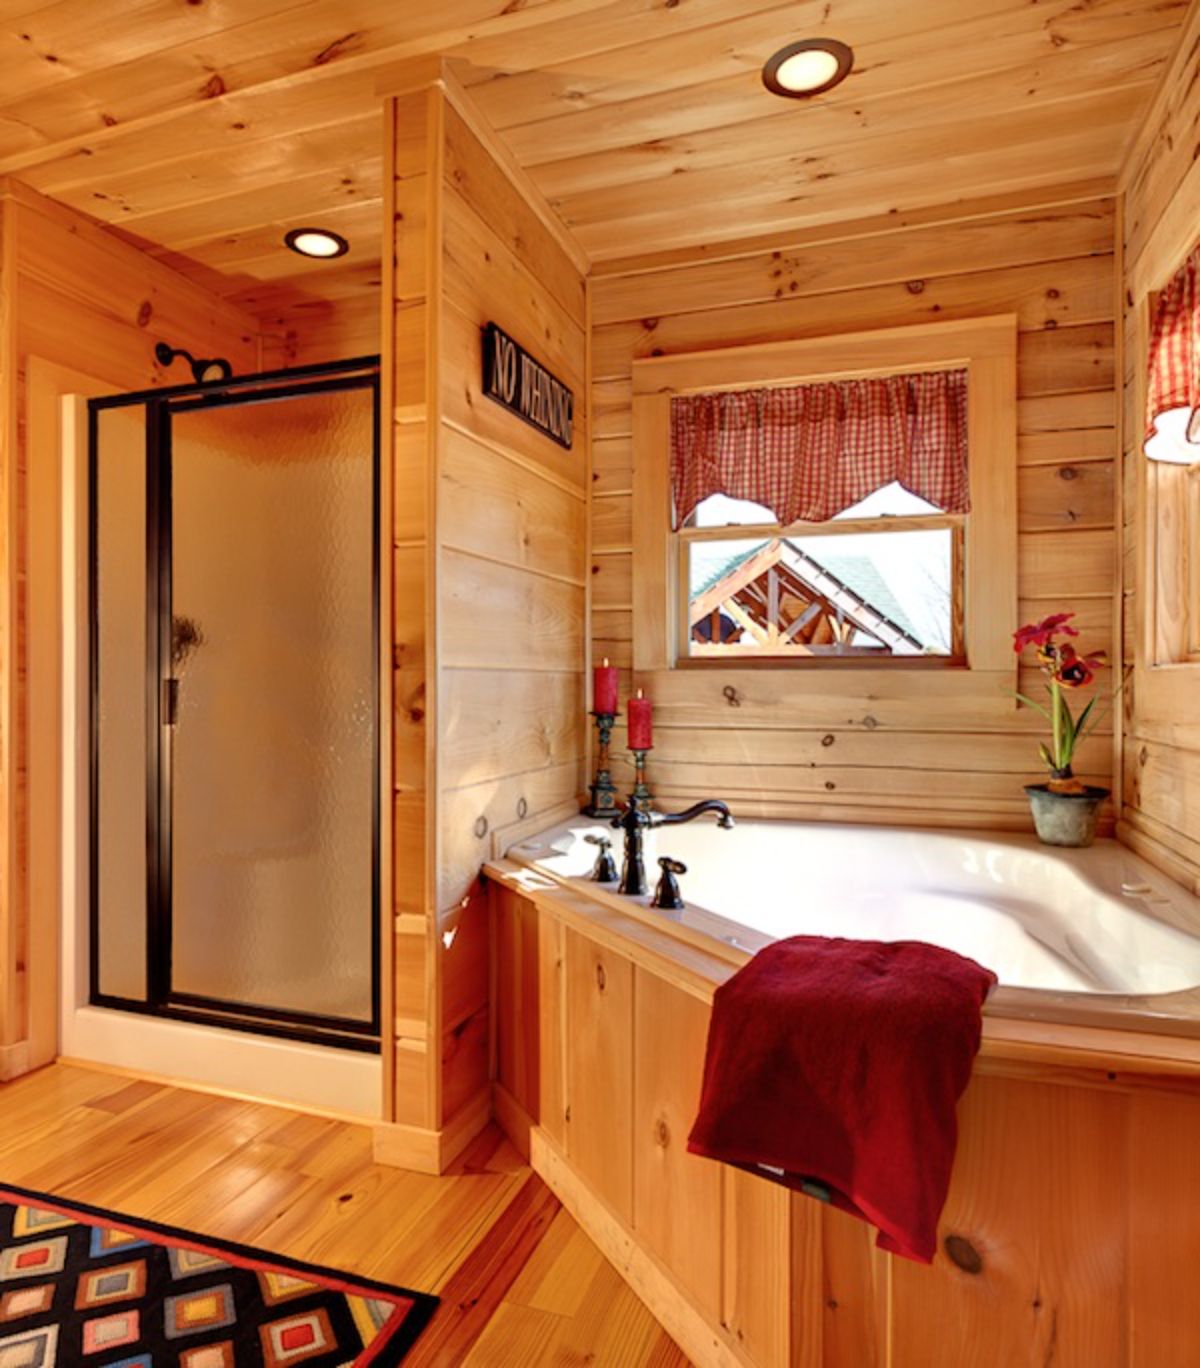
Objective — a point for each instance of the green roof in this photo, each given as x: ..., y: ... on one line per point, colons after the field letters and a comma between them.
x: 861, y: 576
x: 725, y: 568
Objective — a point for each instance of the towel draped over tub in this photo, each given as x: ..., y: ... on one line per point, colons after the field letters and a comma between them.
x: 835, y: 1066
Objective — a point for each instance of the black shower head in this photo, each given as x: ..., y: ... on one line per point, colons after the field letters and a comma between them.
x: 204, y: 371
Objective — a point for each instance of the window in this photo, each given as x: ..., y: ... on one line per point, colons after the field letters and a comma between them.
x: 1172, y: 476
x: 881, y: 580
x: 873, y: 576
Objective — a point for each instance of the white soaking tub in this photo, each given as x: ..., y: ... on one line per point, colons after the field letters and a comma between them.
x: 1092, y: 935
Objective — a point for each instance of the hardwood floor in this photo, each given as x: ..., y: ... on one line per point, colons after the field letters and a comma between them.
x: 520, y: 1283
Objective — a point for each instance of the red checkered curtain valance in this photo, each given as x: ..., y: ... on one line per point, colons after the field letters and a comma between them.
x: 1173, y: 389
x: 809, y: 452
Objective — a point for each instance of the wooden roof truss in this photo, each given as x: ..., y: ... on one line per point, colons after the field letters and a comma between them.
x: 781, y: 600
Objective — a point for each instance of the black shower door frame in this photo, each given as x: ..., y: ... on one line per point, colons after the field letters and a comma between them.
x: 360, y: 373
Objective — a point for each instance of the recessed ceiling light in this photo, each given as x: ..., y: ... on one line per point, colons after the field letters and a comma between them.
x: 808, y: 67
x: 317, y: 242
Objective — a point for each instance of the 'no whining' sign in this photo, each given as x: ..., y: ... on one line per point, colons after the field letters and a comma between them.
x: 525, y: 387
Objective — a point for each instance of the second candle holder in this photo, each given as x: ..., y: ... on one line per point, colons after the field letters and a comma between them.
x: 640, y: 743
x: 642, y: 797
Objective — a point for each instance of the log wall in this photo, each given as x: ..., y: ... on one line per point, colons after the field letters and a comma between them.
x: 86, y: 310
x: 1160, y: 814
x: 799, y: 743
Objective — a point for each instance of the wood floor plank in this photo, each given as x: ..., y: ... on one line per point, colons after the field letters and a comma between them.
x: 521, y: 1284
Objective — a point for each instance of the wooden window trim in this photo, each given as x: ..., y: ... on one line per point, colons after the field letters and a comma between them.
x: 1166, y: 562
x: 985, y: 347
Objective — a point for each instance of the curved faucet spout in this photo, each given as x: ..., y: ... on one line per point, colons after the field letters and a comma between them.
x: 724, y: 816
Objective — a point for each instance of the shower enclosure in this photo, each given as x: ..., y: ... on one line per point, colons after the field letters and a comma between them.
x: 234, y: 807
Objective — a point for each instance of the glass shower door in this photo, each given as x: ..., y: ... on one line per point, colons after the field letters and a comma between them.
x: 234, y: 800
x: 268, y: 649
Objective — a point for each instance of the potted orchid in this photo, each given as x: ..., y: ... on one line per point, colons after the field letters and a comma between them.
x: 1064, y: 809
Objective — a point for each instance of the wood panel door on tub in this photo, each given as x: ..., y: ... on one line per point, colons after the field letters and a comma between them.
x: 1069, y: 1237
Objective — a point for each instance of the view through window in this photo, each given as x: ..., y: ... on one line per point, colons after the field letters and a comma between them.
x: 881, y: 579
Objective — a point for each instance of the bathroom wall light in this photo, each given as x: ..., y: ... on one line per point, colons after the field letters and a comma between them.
x: 809, y: 67
x: 316, y: 242
x: 204, y: 371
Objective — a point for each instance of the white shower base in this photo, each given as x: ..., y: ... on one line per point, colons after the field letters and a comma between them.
x: 312, y: 1077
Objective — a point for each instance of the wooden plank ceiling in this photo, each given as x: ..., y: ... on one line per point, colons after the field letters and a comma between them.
x: 206, y: 128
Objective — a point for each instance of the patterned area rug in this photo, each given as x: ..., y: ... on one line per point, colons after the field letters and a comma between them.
x: 84, y: 1286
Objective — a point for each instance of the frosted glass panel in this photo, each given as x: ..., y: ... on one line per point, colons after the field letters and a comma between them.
x: 120, y: 720
x: 273, y: 763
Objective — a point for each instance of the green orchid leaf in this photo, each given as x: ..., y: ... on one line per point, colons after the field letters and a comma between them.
x: 1037, y: 706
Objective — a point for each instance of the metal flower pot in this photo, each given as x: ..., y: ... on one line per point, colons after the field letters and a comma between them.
x: 1065, y: 819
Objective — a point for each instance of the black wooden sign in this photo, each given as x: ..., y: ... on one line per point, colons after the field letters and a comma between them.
x: 525, y: 387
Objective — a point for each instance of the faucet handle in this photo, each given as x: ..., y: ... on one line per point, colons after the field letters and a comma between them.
x: 605, y: 868
x: 667, y: 894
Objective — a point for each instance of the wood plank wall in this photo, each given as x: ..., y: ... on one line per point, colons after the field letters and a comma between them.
x: 1160, y: 816
x: 789, y: 750
x: 489, y: 588
x: 73, y: 294
x: 314, y: 331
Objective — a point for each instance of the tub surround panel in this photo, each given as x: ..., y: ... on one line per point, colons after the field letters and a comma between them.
x: 1069, y: 1214
x: 490, y: 586
x: 1160, y: 753
x: 80, y: 312
x: 901, y: 747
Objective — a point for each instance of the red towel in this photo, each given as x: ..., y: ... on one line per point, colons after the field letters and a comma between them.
x: 838, y: 1063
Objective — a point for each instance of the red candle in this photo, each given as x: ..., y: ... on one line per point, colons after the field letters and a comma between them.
x: 640, y: 734
x: 604, y: 688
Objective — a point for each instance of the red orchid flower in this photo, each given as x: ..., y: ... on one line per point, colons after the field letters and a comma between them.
x: 1076, y: 671
x: 1041, y: 633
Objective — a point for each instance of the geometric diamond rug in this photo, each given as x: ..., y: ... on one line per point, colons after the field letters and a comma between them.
x: 83, y: 1286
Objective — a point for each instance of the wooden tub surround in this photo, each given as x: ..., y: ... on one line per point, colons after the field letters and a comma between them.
x: 1067, y: 1238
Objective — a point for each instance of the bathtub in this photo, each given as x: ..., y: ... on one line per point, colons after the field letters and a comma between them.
x: 1095, y: 936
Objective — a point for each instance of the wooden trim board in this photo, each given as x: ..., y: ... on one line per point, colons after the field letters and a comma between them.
x: 432, y: 1151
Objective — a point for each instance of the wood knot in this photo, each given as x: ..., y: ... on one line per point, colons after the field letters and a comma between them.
x: 731, y: 696
x: 662, y: 1133
x: 522, y: 809
x: 481, y: 827
x: 915, y: 287
x: 828, y: 739
x: 1068, y: 473
x: 963, y: 1254
x: 145, y: 313
x: 870, y: 722
x: 601, y: 977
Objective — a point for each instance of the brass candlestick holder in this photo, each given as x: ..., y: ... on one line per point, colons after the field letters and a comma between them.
x: 641, y: 796
x: 604, y: 791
